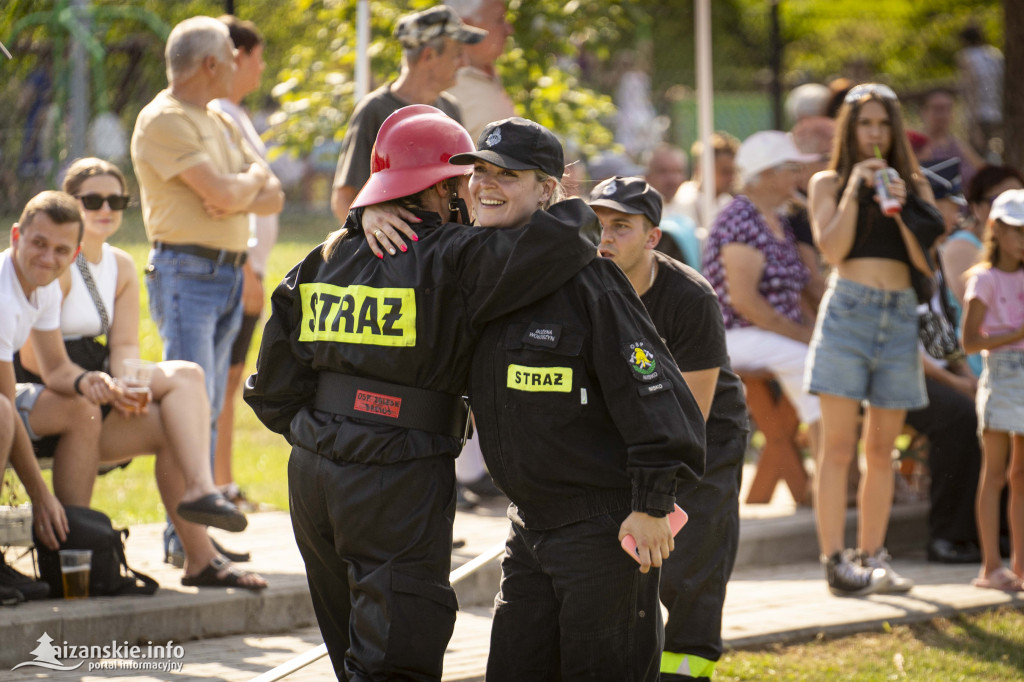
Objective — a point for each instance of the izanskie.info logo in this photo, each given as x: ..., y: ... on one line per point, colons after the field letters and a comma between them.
x: 114, y: 656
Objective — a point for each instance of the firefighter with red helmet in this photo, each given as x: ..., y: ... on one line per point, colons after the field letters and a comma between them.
x: 362, y: 367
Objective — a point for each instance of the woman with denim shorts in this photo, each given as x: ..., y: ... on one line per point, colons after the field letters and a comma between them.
x: 865, y: 345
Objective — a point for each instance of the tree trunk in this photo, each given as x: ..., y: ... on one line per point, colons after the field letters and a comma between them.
x: 1013, y: 96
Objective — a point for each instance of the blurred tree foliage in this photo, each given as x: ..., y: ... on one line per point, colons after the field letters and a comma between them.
x: 560, y: 68
x: 909, y: 44
x: 541, y: 71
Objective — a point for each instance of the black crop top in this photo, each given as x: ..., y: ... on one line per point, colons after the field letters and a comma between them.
x: 877, y: 235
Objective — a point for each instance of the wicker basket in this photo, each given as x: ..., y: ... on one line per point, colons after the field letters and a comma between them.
x: 16, y: 525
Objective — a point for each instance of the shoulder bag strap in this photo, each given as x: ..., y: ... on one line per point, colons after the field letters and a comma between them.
x: 83, y: 267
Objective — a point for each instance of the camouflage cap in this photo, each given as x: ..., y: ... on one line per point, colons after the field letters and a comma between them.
x: 413, y: 30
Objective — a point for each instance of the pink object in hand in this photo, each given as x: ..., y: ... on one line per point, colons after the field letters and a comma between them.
x: 676, y: 520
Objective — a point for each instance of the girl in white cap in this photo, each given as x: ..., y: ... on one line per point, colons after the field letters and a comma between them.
x: 994, y: 325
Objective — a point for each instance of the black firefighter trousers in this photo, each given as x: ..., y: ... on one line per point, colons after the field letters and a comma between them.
x: 377, y: 541
x: 694, y: 577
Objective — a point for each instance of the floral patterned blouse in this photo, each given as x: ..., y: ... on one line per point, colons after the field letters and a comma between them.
x: 784, y: 275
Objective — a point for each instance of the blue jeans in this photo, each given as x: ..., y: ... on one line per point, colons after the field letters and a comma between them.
x: 574, y: 606
x: 197, y: 306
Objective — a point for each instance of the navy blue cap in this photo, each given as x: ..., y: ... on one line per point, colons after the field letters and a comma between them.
x: 631, y: 195
x: 517, y: 144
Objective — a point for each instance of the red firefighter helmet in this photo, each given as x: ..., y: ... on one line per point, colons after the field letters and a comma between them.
x: 411, y: 154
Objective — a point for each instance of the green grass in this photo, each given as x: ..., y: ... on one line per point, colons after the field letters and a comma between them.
x: 260, y: 457
x: 983, y: 646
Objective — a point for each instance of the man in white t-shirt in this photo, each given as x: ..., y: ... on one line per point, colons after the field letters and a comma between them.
x: 44, y: 243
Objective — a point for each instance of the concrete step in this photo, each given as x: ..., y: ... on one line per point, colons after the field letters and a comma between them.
x: 778, y: 533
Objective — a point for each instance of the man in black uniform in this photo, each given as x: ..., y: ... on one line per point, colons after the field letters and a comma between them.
x: 586, y: 425
x: 362, y: 367
x: 684, y: 309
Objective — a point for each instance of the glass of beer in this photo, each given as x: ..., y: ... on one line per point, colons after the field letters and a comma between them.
x: 138, y: 375
x: 74, y: 572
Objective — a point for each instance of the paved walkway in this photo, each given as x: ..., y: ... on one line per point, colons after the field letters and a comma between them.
x: 765, y: 604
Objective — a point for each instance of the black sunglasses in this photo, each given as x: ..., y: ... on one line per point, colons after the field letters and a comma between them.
x: 94, y: 202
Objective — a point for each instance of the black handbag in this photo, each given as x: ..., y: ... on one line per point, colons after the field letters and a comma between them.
x: 935, y: 327
x: 110, y: 575
x: 88, y: 352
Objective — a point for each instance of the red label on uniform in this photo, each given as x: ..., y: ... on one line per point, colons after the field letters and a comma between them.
x: 379, y: 404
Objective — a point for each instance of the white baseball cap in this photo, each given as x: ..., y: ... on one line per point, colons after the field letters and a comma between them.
x: 1009, y: 207
x: 768, y: 149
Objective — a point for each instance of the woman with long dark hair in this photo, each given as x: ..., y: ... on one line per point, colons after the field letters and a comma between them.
x: 865, y: 343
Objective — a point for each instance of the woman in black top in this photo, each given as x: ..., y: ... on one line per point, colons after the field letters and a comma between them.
x: 865, y: 342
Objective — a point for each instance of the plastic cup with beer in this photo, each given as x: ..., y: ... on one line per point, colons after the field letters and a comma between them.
x: 75, y: 565
x: 138, y: 375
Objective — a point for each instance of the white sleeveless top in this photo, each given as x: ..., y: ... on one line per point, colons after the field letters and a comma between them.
x: 78, y: 316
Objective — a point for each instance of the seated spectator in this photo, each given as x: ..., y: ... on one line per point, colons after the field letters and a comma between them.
x: 937, y: 115
x: 101, y: 298
x: 44, y: 241
x: 752, y: 261
x: 687, y: 199
x: 811, y: 135
x: 809, y: 100
x: 667, y: 169
x: 949, y: 421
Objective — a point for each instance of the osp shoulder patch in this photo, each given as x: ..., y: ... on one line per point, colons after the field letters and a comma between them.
x: 642, y: 362
x: 358, y: 314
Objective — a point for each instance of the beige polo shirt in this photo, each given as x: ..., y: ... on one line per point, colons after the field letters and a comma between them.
x: 172, y: 136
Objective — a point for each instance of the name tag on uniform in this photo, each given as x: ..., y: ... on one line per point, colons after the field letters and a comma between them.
x: 358, y: 314
x: 544, y: 335
x: 540, y: 379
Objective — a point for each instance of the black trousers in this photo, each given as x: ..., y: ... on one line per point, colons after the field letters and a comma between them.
x: 377, y: 543
x: 954, y: 459
x: 693, y: 579
x: 574, y: 606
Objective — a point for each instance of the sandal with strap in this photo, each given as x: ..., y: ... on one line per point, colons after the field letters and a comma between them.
x: 211, y: 576
x: 1002, y: 579
x: 213, y: 510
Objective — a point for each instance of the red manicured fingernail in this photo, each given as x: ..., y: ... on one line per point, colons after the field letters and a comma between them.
x: 415, y: 238
x: 380, y: 255
x: 404, y: 248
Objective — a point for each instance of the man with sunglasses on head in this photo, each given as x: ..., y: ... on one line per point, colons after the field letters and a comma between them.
x: 199, y: 181
x: 44, y: 242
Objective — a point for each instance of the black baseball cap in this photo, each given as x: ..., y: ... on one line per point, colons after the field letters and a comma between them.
x: 630, y: 195
x: 517, y: 144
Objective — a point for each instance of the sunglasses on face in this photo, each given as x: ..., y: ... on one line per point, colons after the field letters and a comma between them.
x: 865, y: 89
x: 94, y: 202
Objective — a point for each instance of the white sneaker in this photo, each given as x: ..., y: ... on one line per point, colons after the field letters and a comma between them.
x: 880, y: 559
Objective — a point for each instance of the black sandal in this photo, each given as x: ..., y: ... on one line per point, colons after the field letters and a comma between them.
x: 210, y: 576
x: 213, y: 510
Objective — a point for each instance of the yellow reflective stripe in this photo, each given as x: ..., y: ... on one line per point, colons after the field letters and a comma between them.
x: 540, y: 379
x: 687, y: 664
x: 358, y: 314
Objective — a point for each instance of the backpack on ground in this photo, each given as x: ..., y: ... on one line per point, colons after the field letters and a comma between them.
x: 110, y: 574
